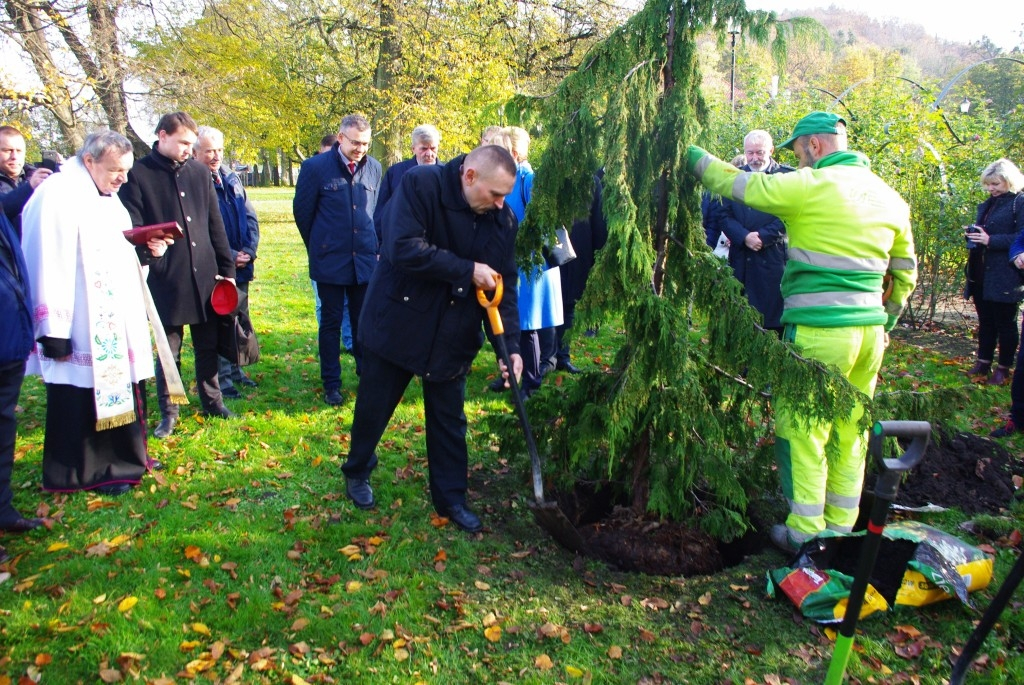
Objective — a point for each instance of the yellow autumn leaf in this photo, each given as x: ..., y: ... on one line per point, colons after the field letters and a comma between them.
x: 573, y: 672
x: 353, y: 586
x: 493, y: 633
x: 349, y: 550
x: 401, y: 654
x: 704, y: 599
x: 188, y: 645
x: 119, y: 540
x: 297, y: 680
x: 376, y: 541
x: 57, y: 546
x: 201, y: 629
x: 99, y: 599
x: 127, y: 603
x: 481, y: 585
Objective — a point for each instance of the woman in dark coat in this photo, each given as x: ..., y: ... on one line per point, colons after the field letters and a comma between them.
x: 992, y: 280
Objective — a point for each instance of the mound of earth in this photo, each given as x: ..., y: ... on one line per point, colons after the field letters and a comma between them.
x: 963, y: 471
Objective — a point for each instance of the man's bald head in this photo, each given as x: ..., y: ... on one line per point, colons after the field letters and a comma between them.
x: 488, y: 175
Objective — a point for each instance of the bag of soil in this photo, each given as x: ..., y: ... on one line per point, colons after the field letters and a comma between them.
x: 917, y: 565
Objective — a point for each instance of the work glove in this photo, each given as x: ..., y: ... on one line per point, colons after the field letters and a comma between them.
x: 693, y: 155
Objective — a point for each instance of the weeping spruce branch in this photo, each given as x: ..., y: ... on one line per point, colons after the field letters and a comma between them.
x: 681, y: 421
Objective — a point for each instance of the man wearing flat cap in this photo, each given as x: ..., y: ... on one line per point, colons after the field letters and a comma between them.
x: 847, y: 231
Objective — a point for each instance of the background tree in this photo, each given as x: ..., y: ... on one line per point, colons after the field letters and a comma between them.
x: 76, y: 52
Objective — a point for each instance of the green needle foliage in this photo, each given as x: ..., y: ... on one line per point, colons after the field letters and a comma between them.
x: 678, y: 426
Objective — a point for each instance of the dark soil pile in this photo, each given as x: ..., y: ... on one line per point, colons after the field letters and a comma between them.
x: 962, y: 471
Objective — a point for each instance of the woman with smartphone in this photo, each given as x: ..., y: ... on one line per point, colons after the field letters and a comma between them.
x: 993, y: 282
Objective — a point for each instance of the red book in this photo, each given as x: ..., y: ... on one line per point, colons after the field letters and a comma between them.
x: 140, y: 235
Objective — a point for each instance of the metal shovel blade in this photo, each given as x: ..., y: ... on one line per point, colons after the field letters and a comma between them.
x: 547, y: 514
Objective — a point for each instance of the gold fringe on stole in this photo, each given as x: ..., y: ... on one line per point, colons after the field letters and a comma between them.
x: 163, y: 349
x: 117, y: 421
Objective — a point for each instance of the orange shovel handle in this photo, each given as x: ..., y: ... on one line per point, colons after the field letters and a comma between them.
x: 491, y: 305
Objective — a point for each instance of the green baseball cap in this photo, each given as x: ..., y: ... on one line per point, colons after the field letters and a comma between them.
x: 815, y: 122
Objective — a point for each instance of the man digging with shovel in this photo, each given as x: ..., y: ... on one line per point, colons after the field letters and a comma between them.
x: 446, y: 232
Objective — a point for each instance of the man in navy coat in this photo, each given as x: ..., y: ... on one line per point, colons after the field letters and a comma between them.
x: 333, y: 207
x: 425, y: 139
x: 757, y: 253
x: 446, y: 233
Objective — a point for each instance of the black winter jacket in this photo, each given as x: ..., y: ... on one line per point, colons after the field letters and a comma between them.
x: 160, y: 190
x: 421, y: 310
x: 991, y: 265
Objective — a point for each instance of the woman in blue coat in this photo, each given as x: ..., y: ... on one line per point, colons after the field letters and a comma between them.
x: 992, y: 281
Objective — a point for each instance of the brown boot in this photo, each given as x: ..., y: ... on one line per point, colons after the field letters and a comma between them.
x: 1001, y: 376
x: 980, y: 368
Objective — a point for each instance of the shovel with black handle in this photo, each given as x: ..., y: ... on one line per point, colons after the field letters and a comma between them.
x: 547, y: 514
x: 885, y: 493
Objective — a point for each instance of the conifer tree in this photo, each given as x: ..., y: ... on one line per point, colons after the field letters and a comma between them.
x: 679, y: 425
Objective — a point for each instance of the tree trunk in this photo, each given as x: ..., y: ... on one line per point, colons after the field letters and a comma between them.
x: 386, y: 141
x: 28, y: 27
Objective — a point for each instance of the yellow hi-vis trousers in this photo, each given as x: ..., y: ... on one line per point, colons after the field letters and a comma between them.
x: 820, y: 494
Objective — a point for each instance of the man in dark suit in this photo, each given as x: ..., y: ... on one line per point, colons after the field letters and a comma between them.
x: 168, y: 185
x: 446, y: 233
x: 18, y: 180
x: 333, y: 208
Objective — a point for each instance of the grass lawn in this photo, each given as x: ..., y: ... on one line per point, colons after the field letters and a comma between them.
x: 242, y: 561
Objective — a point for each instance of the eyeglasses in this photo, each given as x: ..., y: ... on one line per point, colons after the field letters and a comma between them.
x: 356, y: 143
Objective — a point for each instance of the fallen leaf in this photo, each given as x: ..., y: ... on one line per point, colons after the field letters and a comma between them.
x: 573, y: 672
x: 43, y: 659
x: 615, y: 652
x: 299, y: 624
x: 127, y: 603
x: 493, y: 633
x: 57, y: 546
x: 201, y: 629
x: 543, y: 662
x: 110, y: 675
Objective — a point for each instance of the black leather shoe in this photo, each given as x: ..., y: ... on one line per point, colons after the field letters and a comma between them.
x: 334, y: 398
x: 155, y: 465
x: 220, y: 412
x: 497, y: 385
x: 464, y: 518
x: 231, y: 393
x: 568, y: 366
x: 248, y: 382
x: 165, y: 427
x: 360, y: 492
x: 20, y: 525
x: 114, y: 490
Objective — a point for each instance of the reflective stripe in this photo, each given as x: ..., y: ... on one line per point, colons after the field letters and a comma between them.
x: 842, y: 501
x: 797, y: 537
x: 842, y: 298
x: 838, y: 262
x: 702, y: 165
x: 806, y: 509
x: 893, y: 308
x: 739, y: 186
x: 839, y: 529
x: 903, y: 264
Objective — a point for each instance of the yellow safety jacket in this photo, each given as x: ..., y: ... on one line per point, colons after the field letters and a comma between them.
x: 847, y: 228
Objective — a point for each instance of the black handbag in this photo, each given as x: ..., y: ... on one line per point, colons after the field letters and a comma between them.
x: 236, y: 338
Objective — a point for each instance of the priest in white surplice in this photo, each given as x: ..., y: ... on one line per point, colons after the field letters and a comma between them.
x: 93, y: 344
